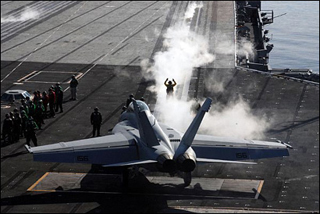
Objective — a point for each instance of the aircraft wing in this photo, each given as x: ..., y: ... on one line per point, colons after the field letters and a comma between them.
x: 106, y: 150
x: 222, y: 148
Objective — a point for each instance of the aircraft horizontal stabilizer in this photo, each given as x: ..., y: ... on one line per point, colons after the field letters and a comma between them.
x: 206, y: 160
x: 110, y: 149
x: 28, y: 148
x: 130, y: 163
x: 287, y: 145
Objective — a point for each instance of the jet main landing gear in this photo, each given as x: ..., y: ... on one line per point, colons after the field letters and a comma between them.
x: 187, y: 178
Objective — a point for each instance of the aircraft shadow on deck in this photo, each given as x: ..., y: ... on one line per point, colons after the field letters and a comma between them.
x: 108, y: 191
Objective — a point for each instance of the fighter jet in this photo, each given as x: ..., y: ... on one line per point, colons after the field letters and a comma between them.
x: 139, y: 139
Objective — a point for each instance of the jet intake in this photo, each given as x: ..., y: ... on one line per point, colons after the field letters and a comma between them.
x: 186, y: 162
x: 167, y: 164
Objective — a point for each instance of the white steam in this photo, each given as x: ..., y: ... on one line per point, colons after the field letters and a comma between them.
x: 183, y: 50
x: 245, y: 49
x: 191, y: 10
x: 222, y: 45
x: 217, y: 80
x: 234, y: 120
x: 27, y: 14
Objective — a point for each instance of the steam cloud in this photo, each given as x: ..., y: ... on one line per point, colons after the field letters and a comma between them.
x: 235, y: 120
x: 27, y: 14
x: 245, y: 49
x: 182, y: 51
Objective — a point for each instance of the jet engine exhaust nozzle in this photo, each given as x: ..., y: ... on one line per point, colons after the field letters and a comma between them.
x: 186, y: 163
x: 167, y: 163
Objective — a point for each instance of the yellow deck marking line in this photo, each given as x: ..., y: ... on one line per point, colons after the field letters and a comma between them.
x: 45, y: 82
x: 45, y: 175
x: 30, y: 74
x: 79, y: 173
x: 259, y: 189
x: 260, y: 186
x: 38, y: 181
x: 78, y: 76
x: 25, y: 77
x: 63, y: 72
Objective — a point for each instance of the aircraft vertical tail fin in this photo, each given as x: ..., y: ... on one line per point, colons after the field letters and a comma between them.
x: 145, y: 128
x: 191, y: 132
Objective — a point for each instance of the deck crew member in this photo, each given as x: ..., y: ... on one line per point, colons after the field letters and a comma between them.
x: 7, y: 129
x: 96, y: 120
x: 129, y: 100
x: 170, y: 86
x: 30, y: 133
x: 73, y: 87
x: 59, y: 99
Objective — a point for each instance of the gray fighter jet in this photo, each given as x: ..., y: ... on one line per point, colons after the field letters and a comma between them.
x: 138, y: 139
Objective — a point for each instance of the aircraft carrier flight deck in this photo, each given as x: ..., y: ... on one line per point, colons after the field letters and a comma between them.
x: 105, y: 44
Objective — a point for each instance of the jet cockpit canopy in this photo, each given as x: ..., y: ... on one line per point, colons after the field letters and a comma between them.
x: 142, y: 106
